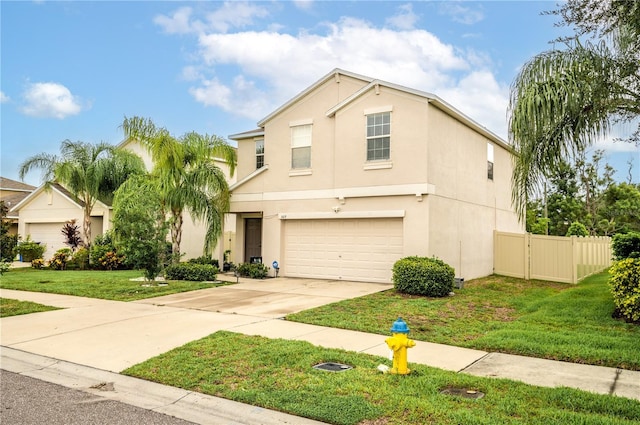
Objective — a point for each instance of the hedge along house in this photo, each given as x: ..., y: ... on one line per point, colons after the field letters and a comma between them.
x: 44, y: 212
x: 355, y: 173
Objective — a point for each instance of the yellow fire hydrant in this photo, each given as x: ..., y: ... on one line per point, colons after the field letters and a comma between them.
x: 399, y: 343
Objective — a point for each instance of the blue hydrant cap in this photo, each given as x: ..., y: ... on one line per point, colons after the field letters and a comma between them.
x: 400, y: 327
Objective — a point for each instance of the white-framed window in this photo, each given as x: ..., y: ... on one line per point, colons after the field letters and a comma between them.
x: 489, y: 161
x: 259, y: 153
x: 301, y: 146
x: 378, y: 136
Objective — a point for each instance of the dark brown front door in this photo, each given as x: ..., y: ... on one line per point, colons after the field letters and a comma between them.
x: 252, y: 239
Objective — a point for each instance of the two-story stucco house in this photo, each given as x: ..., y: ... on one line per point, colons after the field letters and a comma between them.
x: 355, y: 173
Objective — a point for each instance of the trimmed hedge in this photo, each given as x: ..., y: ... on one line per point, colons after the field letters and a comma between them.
x: 252, y: 270
x: 204, y: 259
x: 625, y: 287
x: 191, y: 271
x: 626, y: 245
x: 430, y: 277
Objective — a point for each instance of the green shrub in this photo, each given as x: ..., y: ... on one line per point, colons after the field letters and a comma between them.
x: 60, y: 259
x: 191, y: 271
x: 625, y: 287
x: 8, y: 244
x: 626, y: 245
x: 104, y: 255
x: 577, y: 229
x: 431, y: 277
x: 30, y: 250
x: 79, y: 260
x: 205, y: 259
x: 252, y: 270
x: 4, y: 267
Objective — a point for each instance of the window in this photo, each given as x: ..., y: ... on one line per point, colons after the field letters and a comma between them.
x: 378, y: 136
x: 301, y: 146
x: 489, y: 161
x: 259, y: 153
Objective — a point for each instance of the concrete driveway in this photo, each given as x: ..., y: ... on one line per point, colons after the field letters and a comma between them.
x: 269, y: 298
x: 113, y: 335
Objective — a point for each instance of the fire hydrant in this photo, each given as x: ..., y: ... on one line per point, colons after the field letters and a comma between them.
x: 399, y: 343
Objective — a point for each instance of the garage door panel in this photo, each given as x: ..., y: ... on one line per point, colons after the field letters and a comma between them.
x: 347, y: 249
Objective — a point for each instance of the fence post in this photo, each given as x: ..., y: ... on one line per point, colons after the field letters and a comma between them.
x: 527, y: 256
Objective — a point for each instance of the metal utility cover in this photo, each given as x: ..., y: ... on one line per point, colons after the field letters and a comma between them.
x: 333, y: 367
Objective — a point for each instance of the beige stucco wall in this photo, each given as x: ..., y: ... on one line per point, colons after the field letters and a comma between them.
x: 50, y: 206
x: 454, y: 207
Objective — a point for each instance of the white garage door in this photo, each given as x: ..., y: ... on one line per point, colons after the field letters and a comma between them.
x: 48, y: 234
x: 353, y: 249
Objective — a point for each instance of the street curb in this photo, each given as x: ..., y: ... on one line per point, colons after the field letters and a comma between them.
x: 187, y: 405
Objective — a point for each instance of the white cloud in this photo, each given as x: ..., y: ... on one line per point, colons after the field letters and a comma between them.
x: 229, y: 15
x: 178, y: 23
x: 50, y: 100
x: 405, y: 19
x: 461, y: 14
x: 303, y: 4
x: 273, y: 66
x: 3, y: 97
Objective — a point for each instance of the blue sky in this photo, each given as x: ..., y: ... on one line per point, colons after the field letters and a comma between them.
x: 74, y: 70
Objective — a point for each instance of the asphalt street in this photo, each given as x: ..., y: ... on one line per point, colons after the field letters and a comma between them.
x: 29, y: 401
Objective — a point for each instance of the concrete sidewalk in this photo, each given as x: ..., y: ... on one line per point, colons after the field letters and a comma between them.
x: 111, y: 336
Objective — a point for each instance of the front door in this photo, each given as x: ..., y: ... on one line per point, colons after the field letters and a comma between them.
x: 252, y: 239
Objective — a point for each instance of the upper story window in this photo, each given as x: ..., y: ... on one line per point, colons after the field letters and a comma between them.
x: 378, y: 136
x: 489, y: 161
x: 301, y: 146
x: 259, y: 153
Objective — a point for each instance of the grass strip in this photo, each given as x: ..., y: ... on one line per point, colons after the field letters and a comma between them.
x: 108, y: 285
x: 278, y: 374
x: 501, y: 314
x: 9, y: 307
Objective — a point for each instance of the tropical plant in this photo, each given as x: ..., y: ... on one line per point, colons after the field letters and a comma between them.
x: 563, y: 100
x: 90, y: 172
x: 60, y: 259
x: 186, y: 177
x: 71, y: 233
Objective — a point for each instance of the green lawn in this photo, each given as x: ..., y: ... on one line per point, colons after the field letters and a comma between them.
x: 9, y: 307
x: 108, y: 285
x: 278, y: 374
x: 532, y: 318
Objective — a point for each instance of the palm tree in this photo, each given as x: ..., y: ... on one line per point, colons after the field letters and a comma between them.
x: 186, y: 177
x: 90, y: 172
x: 563, y: 100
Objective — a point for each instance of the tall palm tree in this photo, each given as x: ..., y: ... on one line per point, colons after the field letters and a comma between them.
x: 187, y: 177
x: 563, y: 100
x: 90, y: 172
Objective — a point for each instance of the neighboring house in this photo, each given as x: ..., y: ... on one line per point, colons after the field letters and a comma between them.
x: 354, y: 173
x: 12, y: 192
x: 46, y: 210
x: 193, y: 233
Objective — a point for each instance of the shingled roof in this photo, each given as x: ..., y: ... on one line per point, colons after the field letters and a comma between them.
x: 8, y: 184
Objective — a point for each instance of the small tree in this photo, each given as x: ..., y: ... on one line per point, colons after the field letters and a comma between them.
x: 139, y: 226
x: 8, y: 242
x: 577, y: 229
x: 71, y: 233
